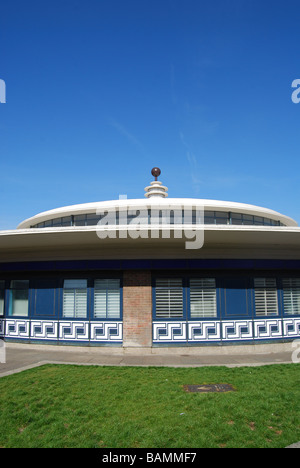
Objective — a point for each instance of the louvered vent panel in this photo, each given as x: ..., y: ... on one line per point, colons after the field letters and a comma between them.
x: 169, y: 298
x: 291, y: 296
x: 203, y: 301
x: 266, y: 300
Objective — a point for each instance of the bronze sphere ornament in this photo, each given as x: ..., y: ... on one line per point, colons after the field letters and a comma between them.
x: 156, y: 172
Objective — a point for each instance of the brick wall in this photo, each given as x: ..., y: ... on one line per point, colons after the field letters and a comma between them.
x: 137, y: 308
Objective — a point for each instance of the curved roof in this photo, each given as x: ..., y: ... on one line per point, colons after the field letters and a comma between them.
x: 157, y: 203
x: 65, y: 236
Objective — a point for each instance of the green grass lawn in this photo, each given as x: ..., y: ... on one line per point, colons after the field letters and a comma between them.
x: 147, y: 407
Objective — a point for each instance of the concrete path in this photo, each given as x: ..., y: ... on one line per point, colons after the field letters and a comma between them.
x: 19, y: 357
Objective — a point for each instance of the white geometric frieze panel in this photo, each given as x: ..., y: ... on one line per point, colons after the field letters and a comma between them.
x: 44, y: 329
x: 267, y: 328
x: 169, y: 332
x: 237, y: 330
x: 72, y: 331
x: 291, y: 327
x: 17, y: 328
x: 106, y: 331
x: 204, y: 331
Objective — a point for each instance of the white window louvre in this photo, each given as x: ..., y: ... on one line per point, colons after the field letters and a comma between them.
x: 291, y: 296
x: 80, y: 303
x: 68, y: 303
x: 107, y: 299
x: 169, y: 298
x: 75, y: 299
x: 203, y: 300
x: 266, y: 300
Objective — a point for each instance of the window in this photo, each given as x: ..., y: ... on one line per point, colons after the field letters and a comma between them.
x: 66, y: 221
x: 169, y: 298
x: 248, y: 220
x: 203, y: 301
x: 209, y: 217
x: 75, y: 299
x: 2, y: 291
x: 236, y: 218
x: 80, y: 220
x: 291, y: 296
x: 19, y: 293
x: 107, y: 303
x: 258, y: 221
x: 57, y: 222
x: 221, y: 217
x: 92, y: 219
x: 266, y: 300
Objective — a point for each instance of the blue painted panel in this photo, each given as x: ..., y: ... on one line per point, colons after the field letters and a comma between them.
x: 235, y: 298
x: 44, y: 299
x: 192, y: 264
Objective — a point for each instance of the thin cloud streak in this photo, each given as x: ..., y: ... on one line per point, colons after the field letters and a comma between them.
x: 124, y: 132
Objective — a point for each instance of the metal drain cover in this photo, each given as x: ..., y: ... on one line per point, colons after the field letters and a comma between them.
x: 213, y: 388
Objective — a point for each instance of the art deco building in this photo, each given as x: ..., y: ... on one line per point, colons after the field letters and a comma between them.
x: 151, y: 272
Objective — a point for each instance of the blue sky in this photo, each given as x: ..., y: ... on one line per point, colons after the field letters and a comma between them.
x: 100, y: 91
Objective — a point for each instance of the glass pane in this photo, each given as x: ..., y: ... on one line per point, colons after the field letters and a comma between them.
x: 68, y: 303
x: 266, y: 299
x: 291, y: 296
x: 92, y: 219
x: 203, y: 302
x: 248, y: 220
x: 80, y: 303
x: 113, y: 303
x: 56, y: 222
x: 75, y: 284
x: 75, y: 298
x: 19, y: 284
x: 221, y: 217
x: 66, y: 221
x: 258, y: 220
x: 107, y: 298
x: 236, y: 218
x: 100, y: 303
x: 169, y: 298
x: 267, y: 222
x: 209, y: 217
x: 80, y: 220
x: 19, y: 302
x: 2, y: 291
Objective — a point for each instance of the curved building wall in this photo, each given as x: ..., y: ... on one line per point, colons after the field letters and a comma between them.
x: 151, y: 291
x: 150, y: 303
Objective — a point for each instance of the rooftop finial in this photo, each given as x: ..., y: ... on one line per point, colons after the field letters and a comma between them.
x: 156, y: 189
x: 156, y: 172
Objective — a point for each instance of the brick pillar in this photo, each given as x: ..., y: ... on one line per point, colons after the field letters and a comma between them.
x: 137, y: 308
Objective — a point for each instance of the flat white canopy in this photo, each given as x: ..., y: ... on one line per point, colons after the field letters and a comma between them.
x: 220, y: 241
